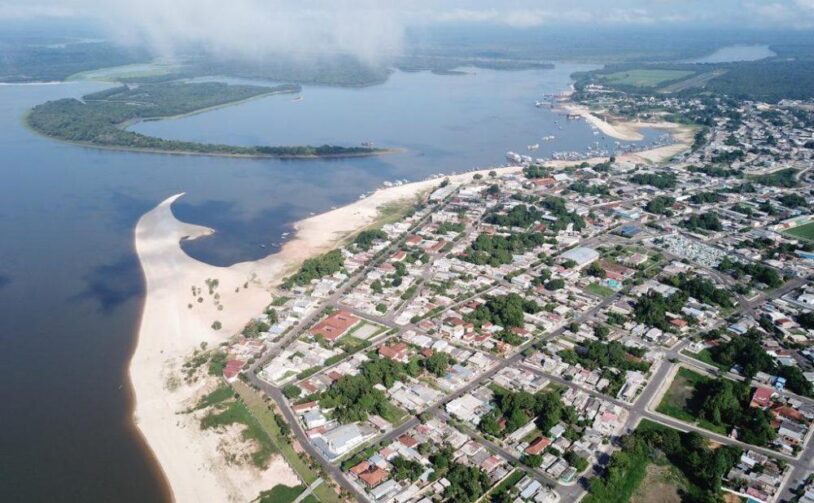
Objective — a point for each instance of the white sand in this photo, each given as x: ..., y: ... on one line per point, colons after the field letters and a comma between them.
x: 170, y: 331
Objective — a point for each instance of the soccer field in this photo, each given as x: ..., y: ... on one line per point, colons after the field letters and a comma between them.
x: 805, y: 231
x: 645, y: 77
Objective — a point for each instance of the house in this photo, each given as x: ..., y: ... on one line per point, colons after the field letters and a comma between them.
x: 762, y: 397
x: 335, y: 325
x: 232, y: 370
x: 538, y: 446
x: 373, y: 477
x: 396, y: 352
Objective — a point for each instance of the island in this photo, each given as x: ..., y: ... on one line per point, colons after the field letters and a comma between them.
x: 101, y: 119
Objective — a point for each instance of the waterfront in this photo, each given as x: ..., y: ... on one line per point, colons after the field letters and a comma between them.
x: 70, y: 286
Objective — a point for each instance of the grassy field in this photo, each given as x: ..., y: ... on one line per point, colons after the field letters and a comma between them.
x: 265, y: 417
x: 677, y: 401
x: 704, y: 356
x: 284, y: 494
x: 805, y: 231
x: 226, y: 411
x: 600, y: 290
x: 645, y: 78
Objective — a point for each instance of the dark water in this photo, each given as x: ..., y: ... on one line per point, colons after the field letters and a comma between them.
x: 70, y: 285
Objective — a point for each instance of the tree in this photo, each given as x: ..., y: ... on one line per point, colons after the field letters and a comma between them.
x: 596, y: 271
x: 216, y: 325
x: 406, y: 469
x: 382, y: 307
x: 601, y: 331
x: 291, y: 391
x: 437, y: 363
x: 555, y: 284
x: 532, y: 460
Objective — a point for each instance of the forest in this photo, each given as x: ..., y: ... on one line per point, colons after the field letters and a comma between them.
x: 100, y: 119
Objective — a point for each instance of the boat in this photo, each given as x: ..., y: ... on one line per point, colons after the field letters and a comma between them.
x: 297, y: 99
x: 534, y: 147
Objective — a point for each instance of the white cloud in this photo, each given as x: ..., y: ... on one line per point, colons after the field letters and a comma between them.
x: 374, y: 29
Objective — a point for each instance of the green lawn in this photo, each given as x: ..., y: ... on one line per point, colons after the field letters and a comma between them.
x: 600, y: 290
x: 235, y: 411
x: 805, y: 231
x: 704, y: 356
x: 508, y: 482
x: 645, y: 78
x: 676, y: 402
x: 265, y: 417
x: 280, y: 494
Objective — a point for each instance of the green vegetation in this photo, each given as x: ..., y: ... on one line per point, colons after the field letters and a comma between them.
x: 272, y: 423
x: 657, y: 180
x: 437, y: 363
x: 792, y: 200
x: 602, y: 355
x: 645, y: 78
x: 317, y: 267
x: 705, y: 198
x: 498, y: 250
x: 404, y: 469
x: 100, y: 118
x: 506, y: 311
x: 280, y: 494
x: 702, y: 289
x: 785, y: 178
x: 759, y: 273
x: 229, y: 412
x: 365, y: 239
x: 702, y: 466
x: 718, y: 405
x: 703, y: 222
x: 536, y: 171
x: 519, y: 216
x: 805, y: 231
x: 46, y: 62
x: 449, y: 227
x: 768, y: 80
x: 583, y: 188
x: 517, y: 409
x: 600, y: 290
x: 660, y: 205
x: 503, y: 491
x: 746, y: 352
x: 354, y: 397
x: 557, y: 207
x: 652, y: 309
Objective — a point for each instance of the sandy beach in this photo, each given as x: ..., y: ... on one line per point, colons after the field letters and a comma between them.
x: 171, y: 330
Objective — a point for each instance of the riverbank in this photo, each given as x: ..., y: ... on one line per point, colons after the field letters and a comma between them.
x: 175, y: 323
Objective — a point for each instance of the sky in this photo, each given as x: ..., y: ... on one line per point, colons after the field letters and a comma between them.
x: 374, y: 29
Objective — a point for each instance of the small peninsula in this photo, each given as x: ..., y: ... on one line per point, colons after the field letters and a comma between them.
x: 101, y: 119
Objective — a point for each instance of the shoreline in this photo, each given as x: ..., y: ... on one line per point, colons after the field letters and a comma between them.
x: 284, y: 157
x: 169, y: 331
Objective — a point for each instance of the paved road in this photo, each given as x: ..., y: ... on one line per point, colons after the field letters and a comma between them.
x: 309, y: 490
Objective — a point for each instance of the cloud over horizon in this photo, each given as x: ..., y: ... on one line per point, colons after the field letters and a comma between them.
x: 372, y: 30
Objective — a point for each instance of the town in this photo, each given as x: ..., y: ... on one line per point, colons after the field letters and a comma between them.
x: 552, y: 333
